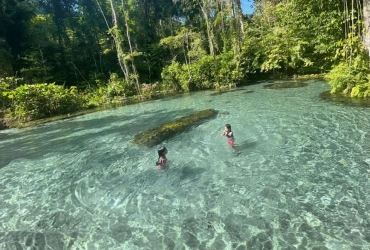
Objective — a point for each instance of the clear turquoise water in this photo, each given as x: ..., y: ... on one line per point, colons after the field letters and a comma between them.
x: 301, y: 180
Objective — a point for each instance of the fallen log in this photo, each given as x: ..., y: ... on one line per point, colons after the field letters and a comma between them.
x: 166, y: 131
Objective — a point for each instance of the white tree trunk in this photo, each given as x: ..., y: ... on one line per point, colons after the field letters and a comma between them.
x: 205, y: 7
x: 137, y: 84
x: 118, y: 43
x: 366, y: 6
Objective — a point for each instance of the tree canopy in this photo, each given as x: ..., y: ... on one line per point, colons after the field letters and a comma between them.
x: 122, y: 47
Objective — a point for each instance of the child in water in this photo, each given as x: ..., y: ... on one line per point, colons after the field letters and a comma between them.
x: 229, y: 134
x: 162, y: 160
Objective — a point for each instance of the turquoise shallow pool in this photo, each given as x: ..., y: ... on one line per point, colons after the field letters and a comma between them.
x: 301, y: 180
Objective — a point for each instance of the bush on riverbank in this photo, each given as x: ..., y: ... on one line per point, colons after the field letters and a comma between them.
x: 351, y: 76
x: 7, y: 84
x: 351, y: 81
x: 207, y: 73
x: 118, y: 91
x: 30, y: 102
x: 22, y: 103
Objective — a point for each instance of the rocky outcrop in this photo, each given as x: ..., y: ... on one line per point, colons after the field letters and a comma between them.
x: 3, y: 125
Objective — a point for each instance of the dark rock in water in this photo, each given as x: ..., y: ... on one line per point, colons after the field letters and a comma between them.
x: 166, y: 131
x: 220, y: 92
x: 121, y: 233
x: 170, y: 244
x: 40, y: 240
x: 241, y: 247
x: 191, y: 240
x: 34, y: 240
x: 320, y: 248
x: 284, y: 221
x: 285, y: 85
x: 342, y: 98
x: 237, y: 227
x: 191, y: 173
x: 3, y: 124
x: 260, y: 241
x: 218, y: 243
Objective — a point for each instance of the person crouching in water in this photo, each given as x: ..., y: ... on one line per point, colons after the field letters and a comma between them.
x: 162, y: 160
x: 229, y: 134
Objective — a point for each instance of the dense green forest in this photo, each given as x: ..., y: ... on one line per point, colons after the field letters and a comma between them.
x: 61, y: 56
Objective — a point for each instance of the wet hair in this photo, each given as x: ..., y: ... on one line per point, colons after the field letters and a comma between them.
x: 228, y: 126
x: 161, y: 151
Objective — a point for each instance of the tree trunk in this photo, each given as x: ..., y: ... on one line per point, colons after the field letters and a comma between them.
x: 118, y: 43
x: 117, y: 40
x: 186, y: 53
x: 366, y: 8
x: 137, y: 85
x: 205, y: 9
x: 236, y: 28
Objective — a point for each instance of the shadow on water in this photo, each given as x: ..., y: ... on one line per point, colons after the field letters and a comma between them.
x: 146, y: 119
x: 226, y: 91
x: 189, y: 173
x: 174, y: 97
x: 73, y: 135
x: 223, y: 113
x: 341, y: 98
x: 286, y: 85
x: 245, y: 145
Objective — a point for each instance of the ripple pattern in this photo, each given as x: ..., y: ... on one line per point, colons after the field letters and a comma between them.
x: 299, y: 178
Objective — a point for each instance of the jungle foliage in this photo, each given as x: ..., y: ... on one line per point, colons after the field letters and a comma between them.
x: 29, y: 102
x: 58, y: 56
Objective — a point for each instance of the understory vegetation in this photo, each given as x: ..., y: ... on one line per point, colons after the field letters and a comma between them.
x: 59, y: 57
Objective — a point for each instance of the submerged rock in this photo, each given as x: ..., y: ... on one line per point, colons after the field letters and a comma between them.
x: 3, y: 124
x: 164, y: 132
x: 223, y: 91
x: 285, y: 85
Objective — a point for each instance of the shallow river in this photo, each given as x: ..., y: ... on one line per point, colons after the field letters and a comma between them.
x: 299, y: 179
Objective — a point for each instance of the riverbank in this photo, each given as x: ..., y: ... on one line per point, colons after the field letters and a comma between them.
x: 7, y: 124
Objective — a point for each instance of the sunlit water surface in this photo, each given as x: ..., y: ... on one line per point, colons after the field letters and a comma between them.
x: 300, y: 181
